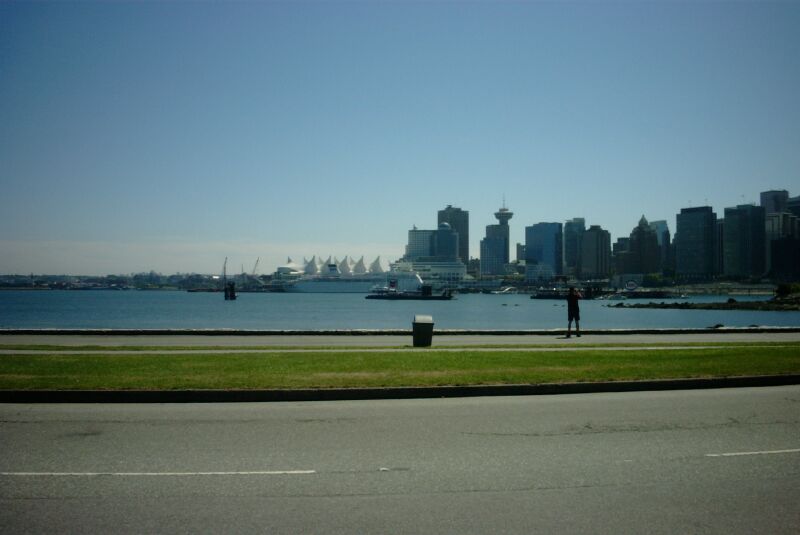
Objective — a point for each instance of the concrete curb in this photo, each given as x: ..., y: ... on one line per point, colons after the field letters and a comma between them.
x: 341, y: 394
x: 386, y: 332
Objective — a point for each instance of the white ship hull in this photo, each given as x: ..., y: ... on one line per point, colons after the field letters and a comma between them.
x: 344, y: 284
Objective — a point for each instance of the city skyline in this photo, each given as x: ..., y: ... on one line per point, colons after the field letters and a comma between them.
x: 168, y: 136
x: 385, y: 261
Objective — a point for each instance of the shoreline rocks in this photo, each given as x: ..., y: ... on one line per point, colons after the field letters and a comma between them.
x: 788, y: 304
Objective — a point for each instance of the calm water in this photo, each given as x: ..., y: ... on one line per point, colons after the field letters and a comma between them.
x: 176, y: 310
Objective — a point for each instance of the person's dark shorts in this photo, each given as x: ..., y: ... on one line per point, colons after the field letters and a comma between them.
x: 574, y: 315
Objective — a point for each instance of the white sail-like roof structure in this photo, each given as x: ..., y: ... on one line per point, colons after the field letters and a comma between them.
x: 316, y: 267
x: 360, y: 268
x: 344, y: 267
x: 312, y: 268
x: 376, y: 267
x: 290, y: 267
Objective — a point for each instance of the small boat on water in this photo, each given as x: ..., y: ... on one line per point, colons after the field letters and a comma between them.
x: 505, y: 290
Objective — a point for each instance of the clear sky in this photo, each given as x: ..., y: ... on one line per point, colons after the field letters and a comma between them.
x: 169, y: 135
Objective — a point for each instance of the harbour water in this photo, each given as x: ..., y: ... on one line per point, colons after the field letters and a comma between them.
x: 56, y: 309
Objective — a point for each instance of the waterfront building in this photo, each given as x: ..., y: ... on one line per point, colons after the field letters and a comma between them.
x: 311, y: 267
x: 474, y: 267
x: 495, y: 246
x: 774, y: 201
x: 695, y: 243
x: 595, y: 253
x: 743, y: 241
x: 359, y: 268
x: 458, y: 220
x: 572, y: 235
x: 334, y: 276
x: 438, y: 273
x: 543, y: 251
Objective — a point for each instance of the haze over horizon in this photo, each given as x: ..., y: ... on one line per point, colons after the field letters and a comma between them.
x: 168, y: 136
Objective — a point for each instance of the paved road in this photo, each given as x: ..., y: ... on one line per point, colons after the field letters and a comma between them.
x: 439, y: 340
x: 711, y: 461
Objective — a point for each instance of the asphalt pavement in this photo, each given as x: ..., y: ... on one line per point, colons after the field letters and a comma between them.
x: 359, y: 338
x: 704, y: 461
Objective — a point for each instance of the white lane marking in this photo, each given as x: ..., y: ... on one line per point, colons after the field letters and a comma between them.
x: 171, y: 474
x: 737, y: 454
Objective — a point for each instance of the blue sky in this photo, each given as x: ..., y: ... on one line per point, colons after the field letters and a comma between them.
x: 169, y: 135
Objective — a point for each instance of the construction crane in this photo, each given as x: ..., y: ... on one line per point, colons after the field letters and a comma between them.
x: 249, y: 280
x: 255, y: 267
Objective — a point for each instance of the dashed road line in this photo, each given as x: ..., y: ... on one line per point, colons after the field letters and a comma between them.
x: 161, y: 474
x: 744, y: 453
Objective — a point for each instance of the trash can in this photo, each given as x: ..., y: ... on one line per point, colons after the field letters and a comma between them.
x: 422, y: 329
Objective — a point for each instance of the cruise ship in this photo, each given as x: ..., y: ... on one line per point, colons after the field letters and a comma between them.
x: 347, y: 276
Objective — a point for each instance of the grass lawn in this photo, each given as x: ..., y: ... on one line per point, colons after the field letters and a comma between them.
x: 319, y: 369
x: 575, y: 342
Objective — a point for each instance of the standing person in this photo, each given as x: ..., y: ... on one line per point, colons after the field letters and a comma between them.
x: 573, y: 312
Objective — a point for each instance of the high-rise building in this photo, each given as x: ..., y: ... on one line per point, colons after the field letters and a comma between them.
x: 743, y: 245
x: 663, y: 236
x: 695, y: 243
x: 438, y: 245
x: 420, y: 243
x: 781, y: 218
x: 595, y: 253
x: 445, y: 243
x: 782, y: 231
x: 793, y: 205
x: 719, y: 243
x: 622, y: 245
x: 573, y: 233
x: 774, y: 201
x: 458, y: 220
x: 495, y: 246
x: 644, y: 254
x: 520, y: 252
x: 543, y: 251
x: 661, y: 229
x: 433, y: 255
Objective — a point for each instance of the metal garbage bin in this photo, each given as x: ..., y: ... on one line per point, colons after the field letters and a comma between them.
x: 422, y: 329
